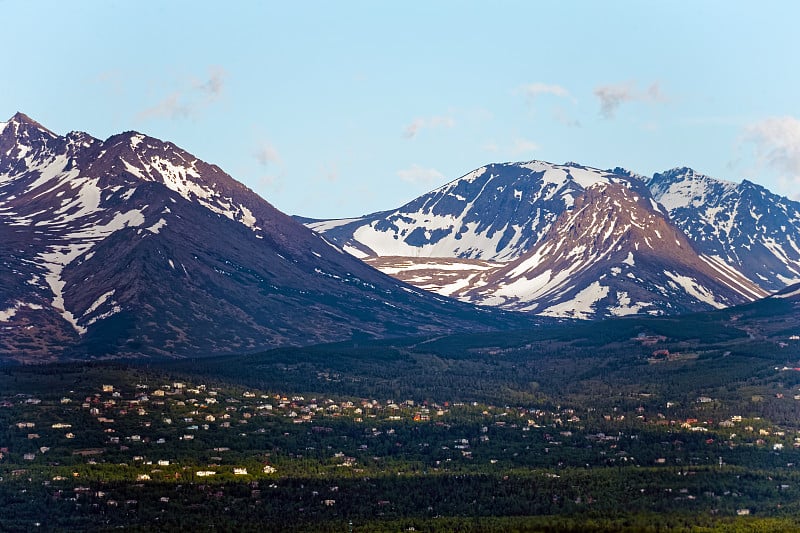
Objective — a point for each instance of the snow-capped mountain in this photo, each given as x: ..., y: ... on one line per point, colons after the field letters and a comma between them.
x: 744, y: 225
x: 506, y: 216
x: 614, y: 253
x: 134, y: 246
x: 496, y: 212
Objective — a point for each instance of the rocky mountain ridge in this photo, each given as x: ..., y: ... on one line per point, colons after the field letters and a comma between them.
x: 738, y: 242
x: 132, y: 246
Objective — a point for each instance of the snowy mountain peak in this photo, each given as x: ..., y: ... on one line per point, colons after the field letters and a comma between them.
x: 572, y: 240
x: 612, y: 254
x: 134, y: 246
x: 744, y: 225
x: 495, y: 212
x: 21, y: 119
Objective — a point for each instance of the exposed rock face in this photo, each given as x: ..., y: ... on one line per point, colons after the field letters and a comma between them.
x: 614, y: 253
x: 133, y: 246
x: 744, y: 225
x: 574, y: 241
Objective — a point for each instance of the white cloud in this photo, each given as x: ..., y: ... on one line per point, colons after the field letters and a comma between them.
x: 524, y: 146
x: 532, y: 90
x: 420, y: 175
x: 190, y: 100
x: 215, y: 83
x: 267, y: 154
x: 614, y: 95
x: 562, y: 116
x: 517, y: 147
x: 268, y: 157
x: 418, y: 124
x: 491, y: 146
x: 776, y: 143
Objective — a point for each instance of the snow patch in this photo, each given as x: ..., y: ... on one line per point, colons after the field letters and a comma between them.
x: 8, y: 314
x: 355, y: 252
x: 792, y: 294
x: 136, y: 171
x: 326, y: 225
x: 625, y: 307
x: 100, y: 301
x: 157, y: 226
x: 136, y: 140
x: 693, y: 288
x: 247, y: 217
x: 582, y: 305
x: 629, y: 260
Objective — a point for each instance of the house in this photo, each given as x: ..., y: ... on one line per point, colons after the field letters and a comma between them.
x: 240, y: 471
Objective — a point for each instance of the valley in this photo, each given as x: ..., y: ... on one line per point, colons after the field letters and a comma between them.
x: 599, y: 426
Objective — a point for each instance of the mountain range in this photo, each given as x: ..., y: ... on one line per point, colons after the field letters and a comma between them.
x: 576, y: 241
x: 132, y: 246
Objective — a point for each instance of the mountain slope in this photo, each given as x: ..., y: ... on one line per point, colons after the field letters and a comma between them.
x: 613, y: 254
x: 133, y: 246
x: 745, y: 225
x: 520, y: 220
x: 496, y: 212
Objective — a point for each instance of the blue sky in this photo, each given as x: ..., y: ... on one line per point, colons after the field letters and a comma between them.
x: 337, y: 109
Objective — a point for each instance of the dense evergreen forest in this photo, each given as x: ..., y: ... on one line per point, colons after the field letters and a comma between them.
x: 686, y: 424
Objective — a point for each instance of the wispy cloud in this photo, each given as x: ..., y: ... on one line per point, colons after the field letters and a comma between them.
x: 187, y: 101
x: 266, y: 154
x: 561, y: 115
x: 776, y: 143
x: 524, y: 146
x: 612, y: 96
x: 517, y: 147
x: 214, y: 85
x: 533, y: 90
x: 419, y: 175
x: 269, y: 158
x: 491, y: 146
x: 418, y: 124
